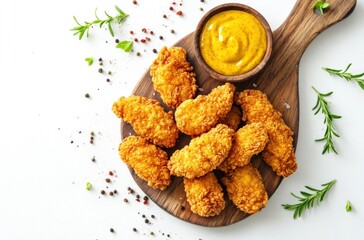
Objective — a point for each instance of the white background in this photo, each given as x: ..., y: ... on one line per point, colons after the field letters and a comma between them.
x: 43, y: 82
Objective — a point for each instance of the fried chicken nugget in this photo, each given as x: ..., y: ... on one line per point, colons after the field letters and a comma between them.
x: 203, y: 154
x: 205, y: 195
x: 148, y: 119
x: 148, y: 161
x: 173, y: 76
x: 232, y: 118
x: 199, y: 115
x: 245, y: 189
x: 248, y: 141
x: 279, y: 152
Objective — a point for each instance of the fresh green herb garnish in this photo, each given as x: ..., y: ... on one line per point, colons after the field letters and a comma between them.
x: 321, y: 6
x: 348, y: 206
x: 125, y: 45
x: 322, y: 104
x: 348, y: 76
x: 88, y: 186
x: 89, y: 60
x: 82, y: 29
x: 308, y: 199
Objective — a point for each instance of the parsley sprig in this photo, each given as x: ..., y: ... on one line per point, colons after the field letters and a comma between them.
x: 358, y: 78
x: 323, y: 105
x: 320, y: 6
x: 80, y: 30
x: 308, y: 199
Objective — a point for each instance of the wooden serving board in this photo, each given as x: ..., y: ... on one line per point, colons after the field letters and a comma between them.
x: 279, y: 81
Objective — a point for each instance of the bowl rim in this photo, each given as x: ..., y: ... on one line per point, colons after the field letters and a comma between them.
x: 241, y: 77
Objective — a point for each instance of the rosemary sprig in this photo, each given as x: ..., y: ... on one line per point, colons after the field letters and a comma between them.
x: 346, y: 75
x: 82, y: 29
x: 322, y: 104
x: 308, y: 199
x: 320, y: 6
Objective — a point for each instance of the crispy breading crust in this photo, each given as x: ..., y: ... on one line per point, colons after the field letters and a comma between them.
x: 173, y: 76
x: 148, y: 119
x: 232, y: 118
x: 246, y: 189
x: 203, y: 154
x: 148, y: 161
x: 248, y: 141
x: 279, y: 152
x: 199, y: 115
x: 205, y: 195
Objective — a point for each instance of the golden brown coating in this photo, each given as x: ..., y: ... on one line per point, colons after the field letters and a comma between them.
x: 205, y: 195
x: 148, y: 119
x: 248, y: 141
x: 148, y: 161
x: 233, y: 118
x: 279, y: 152
x: 199, y: 115
x: 173, y: 76
x: 245, y: 188
x: 203, y: 154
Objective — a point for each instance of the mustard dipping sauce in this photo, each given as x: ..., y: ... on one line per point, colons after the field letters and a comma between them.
x: 233, y: 42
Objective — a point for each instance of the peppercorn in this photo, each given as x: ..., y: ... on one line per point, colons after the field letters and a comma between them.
x: 202, y: 0
x: 135, y: 2
x: 152, y: 216
x: 112, y: 230
x: 116, y: 40
x: 143, y: 40
x: 164, y: 16
x: 161, y: 37
x: 151, y: 32
x: 171, y: 8
x: 102, y: 192
x: 93, y: 159
x: 143, y: 216
x: 111, y: 193
x: 172, y: 31
x: 100, y: 70
x: 134, y: 230
x: 107, y: 180
x: 137, y: 196
x: 107, y: 80
x: 144, y: 30
x: 179, y: 13
x: 146, y: 221
x: 126, y: 200
x: 135, y: 40
x: 154, y: 50
x: 138, y: 54
x: 100, y: 59
x: 145, y: 198
x: 87, y: 95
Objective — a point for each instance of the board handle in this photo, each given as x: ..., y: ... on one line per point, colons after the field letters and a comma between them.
x: 303, y: 25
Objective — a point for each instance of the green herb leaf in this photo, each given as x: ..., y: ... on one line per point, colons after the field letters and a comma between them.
x: 309, y: 199
x: 80, y: 29
x: 125, y: 45
x: 89, y: 60
x: 358, y: 78
x: 321, y: 6
x: 88, y: 186
x: 323, y: 105
x: 348, y: 206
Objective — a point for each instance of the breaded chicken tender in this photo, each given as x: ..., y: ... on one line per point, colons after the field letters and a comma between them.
x: 245, y: 189
x: 279, y: 152
x: 148, y: 119
x: 173, y: 76
x: 203, y: 154
x: 148, y: 161
x: 232, y: 119
x: 199, y: 115
x: 248, y: 141
x: 205, y: 195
